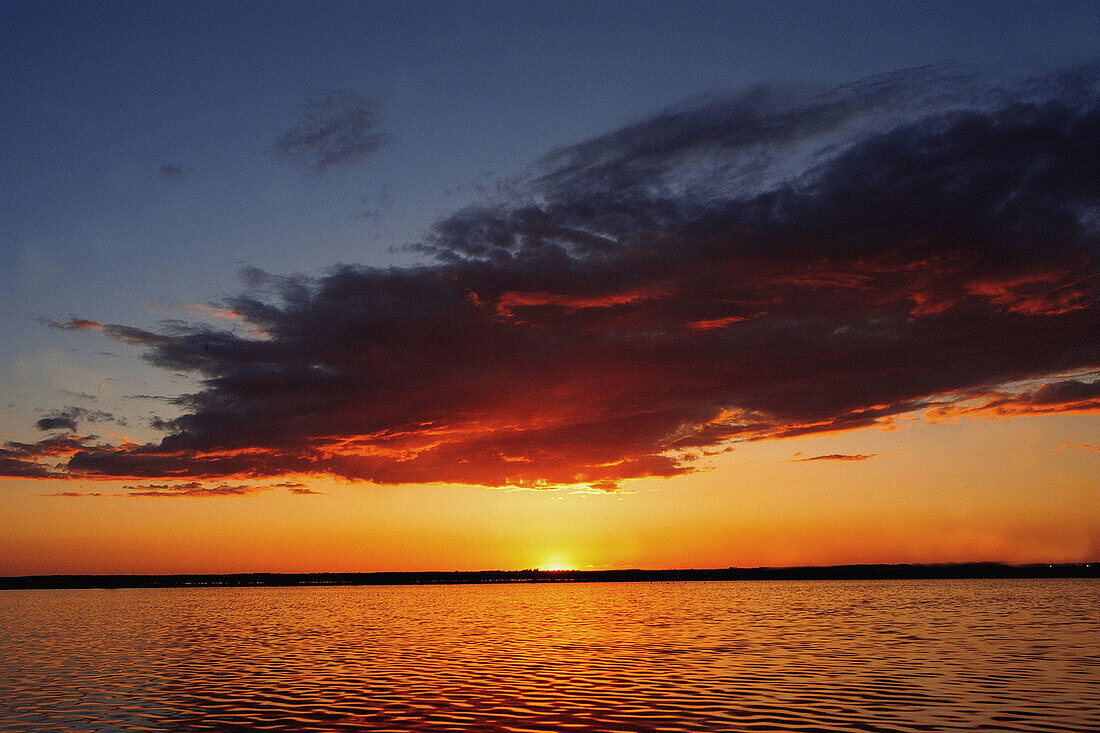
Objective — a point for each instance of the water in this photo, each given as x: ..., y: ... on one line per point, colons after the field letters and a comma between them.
x: 1009, y: 655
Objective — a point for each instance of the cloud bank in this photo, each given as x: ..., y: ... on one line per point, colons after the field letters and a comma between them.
x: 772, y: 265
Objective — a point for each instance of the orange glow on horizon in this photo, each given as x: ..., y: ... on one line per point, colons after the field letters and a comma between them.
x: 927, y: 496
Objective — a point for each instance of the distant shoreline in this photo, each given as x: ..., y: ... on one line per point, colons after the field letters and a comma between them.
x: 833, y: 572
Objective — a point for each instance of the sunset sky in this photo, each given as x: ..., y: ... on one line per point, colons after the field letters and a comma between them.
x: 400, y: 286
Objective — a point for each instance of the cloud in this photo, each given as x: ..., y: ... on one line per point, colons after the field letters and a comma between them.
x: 75, y: 324
x: 67, y: 418
x: 1088, y: 447
x: 767, y: 266
x: 56, y: 422
x: 81, y: 395
x: 295, y: 487
x: 191, y: 489
x: 173, y: 173
x: 338, y: 130
x: 113, y: 331
x: 1065, y: 396
x: 71, y: 494
x: 837, y: 457
x: 372, y: 206
x: 39, y: 460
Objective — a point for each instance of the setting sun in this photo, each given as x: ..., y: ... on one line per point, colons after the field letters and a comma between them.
x: 556, y: 563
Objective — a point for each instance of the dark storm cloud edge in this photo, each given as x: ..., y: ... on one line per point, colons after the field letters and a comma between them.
x: 774, y: 265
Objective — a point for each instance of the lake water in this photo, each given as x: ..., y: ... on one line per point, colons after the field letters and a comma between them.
x: 1009, y: 655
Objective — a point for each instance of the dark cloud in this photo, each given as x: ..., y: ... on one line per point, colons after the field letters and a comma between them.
x: 775, y: 265
x: 58, y: 422
x: 837, y: 457
x: 338, y: 130
x: 71, y: 494
x: 67, y: 418
x: 173, y: 173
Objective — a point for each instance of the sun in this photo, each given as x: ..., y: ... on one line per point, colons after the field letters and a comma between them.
x: 556, y: 563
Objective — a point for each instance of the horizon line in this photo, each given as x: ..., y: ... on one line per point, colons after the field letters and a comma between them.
x: 855, y: 571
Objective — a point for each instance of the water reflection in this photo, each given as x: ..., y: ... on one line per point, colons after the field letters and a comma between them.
x: 726, y: 656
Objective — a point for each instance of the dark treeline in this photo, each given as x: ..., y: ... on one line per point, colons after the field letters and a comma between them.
x: 835, y: 572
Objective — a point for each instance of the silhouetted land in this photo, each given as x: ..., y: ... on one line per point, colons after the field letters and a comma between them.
x: 834, y: 572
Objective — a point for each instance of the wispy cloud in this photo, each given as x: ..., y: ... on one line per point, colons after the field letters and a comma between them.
x: 338, y: 130
x: 1087, y: 447
x: 295, y: 487
x: 191, y: 489
x: 766, y: 266
x: 173, y: 173
x: 836, y: 457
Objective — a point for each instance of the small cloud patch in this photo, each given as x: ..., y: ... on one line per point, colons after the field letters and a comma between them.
x: 68, y: 418
x: 173, y: 173
x: 191, y: 489
x: 836, y: 457
x: 335, y: 131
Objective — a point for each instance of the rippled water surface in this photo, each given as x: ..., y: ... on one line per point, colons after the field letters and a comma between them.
x: 1021, y: 655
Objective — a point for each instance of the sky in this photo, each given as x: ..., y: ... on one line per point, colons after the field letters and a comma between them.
x: 436, y: 286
